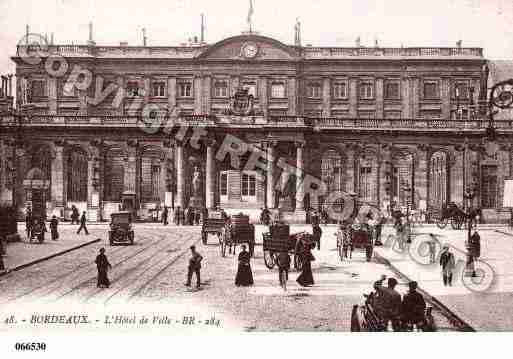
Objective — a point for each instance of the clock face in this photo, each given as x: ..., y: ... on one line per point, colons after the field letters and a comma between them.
x: 249, y: 50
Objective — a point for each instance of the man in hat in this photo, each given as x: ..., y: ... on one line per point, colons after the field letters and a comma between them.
x: 194, y: 267
x: 388, y: 303
x: 448, y: 264
x: 83, y: 221
x: 414, y: 306
x: 54, y: 223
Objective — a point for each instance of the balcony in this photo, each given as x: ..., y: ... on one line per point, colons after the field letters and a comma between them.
x: 300, y: 123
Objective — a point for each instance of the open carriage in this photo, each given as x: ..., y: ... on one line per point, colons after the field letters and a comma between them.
x: 279, y: 239
x: 365, y: 318
x: 237, y: 230
x: 213, y: 225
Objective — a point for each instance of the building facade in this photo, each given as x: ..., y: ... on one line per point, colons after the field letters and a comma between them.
x: 96, y: 124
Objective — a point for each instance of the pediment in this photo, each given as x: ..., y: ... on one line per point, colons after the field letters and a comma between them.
x: 249, y: 47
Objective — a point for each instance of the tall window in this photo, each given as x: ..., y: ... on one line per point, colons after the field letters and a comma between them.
x: 460, y: 90
x: 366, y: 188
x: 392, y: 91
x: 223, y: 184
x: 221, y: 88
x: 37, y: 89
x: 332, y: 171
x: 339, y: 90
x: 314, y: 90
x: 366, y: 91
x: 133, y: 89
x: 77, y: 176
x: 159, y: 89
x: 185, y: 89
x: 278, y: 90
x: 248, y: 186
x: 489, y: 186
x: 431, y: 90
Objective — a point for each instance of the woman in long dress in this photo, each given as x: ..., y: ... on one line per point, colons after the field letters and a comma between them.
x: 102, y: 263
x: 306, y: 277
x: 244, y: 275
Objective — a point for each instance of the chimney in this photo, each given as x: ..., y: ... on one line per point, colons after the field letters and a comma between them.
x: 195, y: 39
x: 458, y: 43
x: 202, y: 28
x: 27, y: 31
x: 9, y: 90
x: 91, y: 42
x: 376, y: 42
x: 144, y: 36
x: 297, y: 33
x: 358, y: 42
x: 51, y: 38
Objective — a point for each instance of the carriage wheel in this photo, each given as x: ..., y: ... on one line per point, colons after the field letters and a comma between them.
x: 441, y: 223
x: 269, y: 259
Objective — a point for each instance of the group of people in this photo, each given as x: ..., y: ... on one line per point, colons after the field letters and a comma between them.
x: 186, y: 217
x: 407, y: 312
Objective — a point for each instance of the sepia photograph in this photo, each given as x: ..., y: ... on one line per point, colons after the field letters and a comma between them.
x: 297, y: 169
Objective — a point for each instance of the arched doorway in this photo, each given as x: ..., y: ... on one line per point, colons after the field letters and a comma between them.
x: 333, y: 176
x: 36, y: 186
x: 438, y: 179
x: 402, y: 178
x: 366, y: 171
x: 76, y: 170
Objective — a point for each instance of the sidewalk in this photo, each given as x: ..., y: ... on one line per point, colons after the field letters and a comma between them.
x: 22, y: 254
x: 484, y: 302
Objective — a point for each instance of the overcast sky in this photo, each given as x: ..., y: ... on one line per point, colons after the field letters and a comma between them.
x: 481, y: 23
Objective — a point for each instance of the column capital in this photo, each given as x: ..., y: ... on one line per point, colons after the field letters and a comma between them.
x: 60, y: 143
x: 300, y: 144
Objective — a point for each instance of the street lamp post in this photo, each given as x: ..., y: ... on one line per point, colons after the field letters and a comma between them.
x: 469, y: 195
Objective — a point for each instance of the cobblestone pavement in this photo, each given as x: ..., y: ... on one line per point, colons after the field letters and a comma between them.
x: 150, y: 276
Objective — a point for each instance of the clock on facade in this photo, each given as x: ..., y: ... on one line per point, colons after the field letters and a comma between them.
x: 249, y: 50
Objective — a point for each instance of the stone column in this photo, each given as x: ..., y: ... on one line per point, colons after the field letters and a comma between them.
x: 206, y: 94
x: 52, y: 95
x: 165, y: 161
x: 180, y: 180
x: 446, y: 98
x: 270, y: 196
x: 415, y: 98
x: 171, y: 94
x: 198, y: 87
x: 405, y: 89
x: 379, y: 98
x: 130, y: 180
x: 300, y: 207
x: 456, y: 173
x: 263, y: 95
x: 353, y: 97
x: 421, y: 175
x: 93, y: 196
x: 326, y: 97
x: 210, y: 176
x: 57, y: 180
x: 350, y: 170
x: 385, y: 175
x: 292, y: 95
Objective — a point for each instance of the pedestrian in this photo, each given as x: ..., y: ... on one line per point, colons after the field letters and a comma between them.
x: 83, y: 224
x: 176, y: 215
x: 190, y: 216
x: 379, y: 230
x: 316, y: 234
x: 28, y: 223
x: 413, y: 307
x: 197, y: 217
x: 448, y: 264
x: 283, y: 261
x: 400, y: 231
x: 53, y: 228
x: 186, y: 216
x: 432, y: 248
x: 103, y: 265
x: 305, y: 279
x: 244, y: 275
x: 164, y: 216
x: 473, y: 247
x: 194, y: 267
x: 74, y: 215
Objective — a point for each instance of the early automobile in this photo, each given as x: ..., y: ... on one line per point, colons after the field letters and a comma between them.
x: 121, y: 231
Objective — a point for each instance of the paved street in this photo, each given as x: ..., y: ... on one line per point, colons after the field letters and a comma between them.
x: 153, y: 272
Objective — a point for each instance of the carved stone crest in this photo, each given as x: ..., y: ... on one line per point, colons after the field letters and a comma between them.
x: 242, y: 103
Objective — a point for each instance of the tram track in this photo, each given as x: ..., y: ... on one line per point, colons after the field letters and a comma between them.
x: 50, y: 287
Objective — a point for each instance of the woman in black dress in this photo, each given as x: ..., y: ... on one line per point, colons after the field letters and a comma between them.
x: 305, y: 279
x: 102, y: 263
x: 244, y: 276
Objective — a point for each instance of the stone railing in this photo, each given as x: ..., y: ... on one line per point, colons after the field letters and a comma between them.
x: 328, y: 123
x: 320, y: 52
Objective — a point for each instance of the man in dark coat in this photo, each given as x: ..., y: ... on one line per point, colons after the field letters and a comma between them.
x: 316, y: 234
x: 103, y: 265
x: 164, y: 216
x: 448, y: 263
x: 53, y: 228
x: 389, y: 304
x: 74, y: 215
x: 194, y: 267
x: 283, y: 262
x: 177, y: 216
x: 413, y: 306
x: 28, y: 222
x: 83, y: 224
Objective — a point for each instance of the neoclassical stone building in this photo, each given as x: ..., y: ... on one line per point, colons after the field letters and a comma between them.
x: 390, y: 124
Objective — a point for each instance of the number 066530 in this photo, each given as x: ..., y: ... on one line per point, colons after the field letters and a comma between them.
x: 30, y: 346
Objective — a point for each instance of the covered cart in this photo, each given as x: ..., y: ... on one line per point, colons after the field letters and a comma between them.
x: 214, y: 225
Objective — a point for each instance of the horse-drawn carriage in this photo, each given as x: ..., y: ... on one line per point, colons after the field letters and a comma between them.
x: 365, y: 318
x: 237, y: 230
x: 214, y: 225
x: 455, y: 215
x: 279, y: 239
x: 355, y: 237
